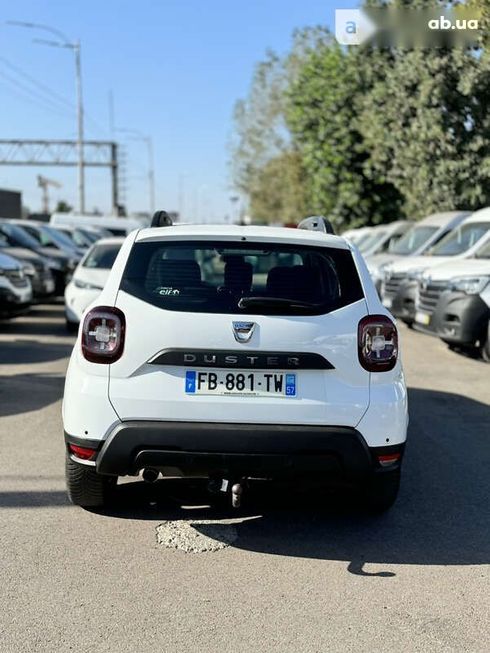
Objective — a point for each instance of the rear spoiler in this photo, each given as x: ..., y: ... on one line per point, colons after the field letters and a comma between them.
x: 317, y: 223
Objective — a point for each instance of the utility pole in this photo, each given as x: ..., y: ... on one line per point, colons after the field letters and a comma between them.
x: 138, y: 136
x: 81, y: 170
x: 75, y: 47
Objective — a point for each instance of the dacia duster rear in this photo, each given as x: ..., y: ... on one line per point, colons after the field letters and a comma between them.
x: 234, y: 353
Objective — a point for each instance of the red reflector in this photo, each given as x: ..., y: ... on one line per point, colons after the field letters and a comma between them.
x: 388, y: 459
x: 81, y: 452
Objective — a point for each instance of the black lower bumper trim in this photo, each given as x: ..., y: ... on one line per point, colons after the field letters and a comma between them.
x: 264, y: 450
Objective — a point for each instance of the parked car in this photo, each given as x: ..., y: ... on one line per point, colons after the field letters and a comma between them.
x: 357, y: 236
x: 16, y: 243
x: 89, y: 278
x: 416, y: 241
x: 236, y: 353
x: 383, y: 237
x: 399, y: 284
x: 79, y: 239
x: 95, y: 233
x: 117, y: 226
x: 453, y: 301
x: 52, y: 238
x: 15, y: 287
x: 62, y: 260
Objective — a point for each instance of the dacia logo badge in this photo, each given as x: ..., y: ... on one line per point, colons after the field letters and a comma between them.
x: 243, y: 331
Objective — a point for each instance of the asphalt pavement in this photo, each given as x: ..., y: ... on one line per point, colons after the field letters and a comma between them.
x: 292, y: 572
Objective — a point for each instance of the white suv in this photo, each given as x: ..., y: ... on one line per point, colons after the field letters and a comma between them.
x: 236, y: 353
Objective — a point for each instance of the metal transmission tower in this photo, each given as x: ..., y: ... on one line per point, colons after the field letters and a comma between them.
x: 20, y: 152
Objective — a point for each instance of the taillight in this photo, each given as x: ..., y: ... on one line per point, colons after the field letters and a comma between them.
x: 103, y: 335
x: 377, y: 343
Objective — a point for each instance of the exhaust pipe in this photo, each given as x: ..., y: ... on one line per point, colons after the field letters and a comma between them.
x: 150, y: 475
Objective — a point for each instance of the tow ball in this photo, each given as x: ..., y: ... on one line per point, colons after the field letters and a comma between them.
x: 234, y: 488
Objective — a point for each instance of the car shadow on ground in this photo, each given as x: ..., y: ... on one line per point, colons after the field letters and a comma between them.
x: 441, y: 517
x: 24, y: 351
x: 23, y: 393
x: 32, y: 327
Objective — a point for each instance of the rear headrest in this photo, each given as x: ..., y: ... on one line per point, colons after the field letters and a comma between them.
x: 174, y: 273
x: 238, y: 275
x: 297, y: 282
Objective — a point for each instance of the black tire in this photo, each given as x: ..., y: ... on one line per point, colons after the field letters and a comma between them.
x: 381, y: 491
x: 71, y: 327
x: 87, y: 488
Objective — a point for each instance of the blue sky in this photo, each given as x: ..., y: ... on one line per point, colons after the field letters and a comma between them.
x: 175, y: 70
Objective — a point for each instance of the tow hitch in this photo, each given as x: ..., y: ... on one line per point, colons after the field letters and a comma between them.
x: 225, y: 485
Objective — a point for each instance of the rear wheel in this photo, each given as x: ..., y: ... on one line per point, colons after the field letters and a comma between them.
x: 86, y: 487
x: 381, y: 491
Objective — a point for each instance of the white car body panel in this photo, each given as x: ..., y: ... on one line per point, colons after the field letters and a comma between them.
x: 338, y: 396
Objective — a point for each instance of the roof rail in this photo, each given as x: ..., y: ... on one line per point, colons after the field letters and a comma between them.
x: 317, y: 223
x: 161, y: 219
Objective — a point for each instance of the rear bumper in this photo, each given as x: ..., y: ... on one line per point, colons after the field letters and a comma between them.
x: 460, y: 319
x: 261, y: 450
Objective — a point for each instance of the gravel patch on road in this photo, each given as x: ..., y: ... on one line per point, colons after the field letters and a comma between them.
x: 196, y: 536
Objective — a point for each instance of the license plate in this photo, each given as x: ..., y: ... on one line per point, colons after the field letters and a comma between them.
x: 387, y: 302
x: 422, y: 318
x: 246, y: 383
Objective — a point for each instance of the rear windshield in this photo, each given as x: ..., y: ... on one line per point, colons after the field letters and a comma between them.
x: 102, y: 257
x: 241, y: 278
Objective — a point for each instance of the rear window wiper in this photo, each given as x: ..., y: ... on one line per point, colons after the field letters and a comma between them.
x: 275, y: 302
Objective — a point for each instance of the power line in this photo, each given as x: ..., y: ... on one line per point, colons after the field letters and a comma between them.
x: 29, y: 96
x: 43, y: 87
x: 49, y: 92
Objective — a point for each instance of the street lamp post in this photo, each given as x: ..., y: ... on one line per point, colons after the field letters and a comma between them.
x: 76, y: 49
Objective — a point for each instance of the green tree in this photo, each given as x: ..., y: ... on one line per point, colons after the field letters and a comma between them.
x: 427, y: 127
x: 323, y: 117
x: 63, y: 207
x: 261, y: 141
x: 278, y: 192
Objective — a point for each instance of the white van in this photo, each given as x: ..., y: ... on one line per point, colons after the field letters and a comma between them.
x: 416, y: 241
x: 383, y: 237
x: 468, y: 309
x: 117, y: 226
x: 399, y: 279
